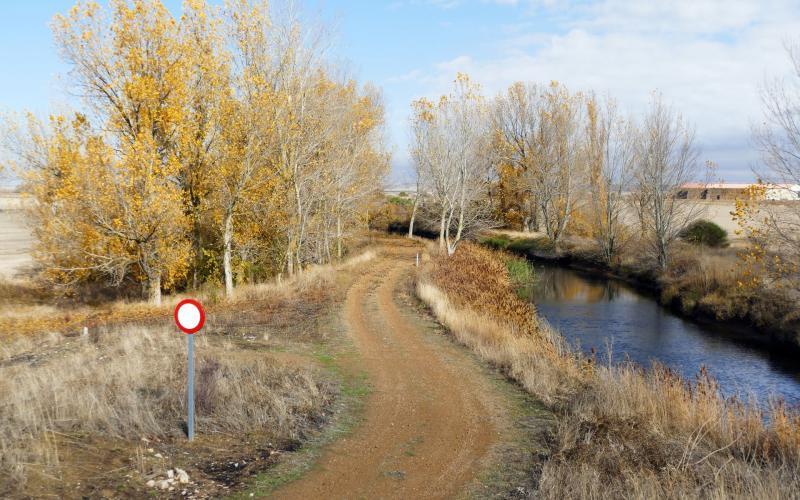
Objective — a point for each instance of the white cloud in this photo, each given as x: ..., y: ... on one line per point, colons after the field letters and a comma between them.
x: 708, y: 58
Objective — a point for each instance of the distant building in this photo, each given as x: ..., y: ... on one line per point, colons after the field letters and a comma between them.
x: 711, y: 192
x: 730, y: 191
x: 782, y: 192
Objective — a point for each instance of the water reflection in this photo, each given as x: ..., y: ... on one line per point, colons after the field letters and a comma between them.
x: 597, y: 313
x: 562, y: 284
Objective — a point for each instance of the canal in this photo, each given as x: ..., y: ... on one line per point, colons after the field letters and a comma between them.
x: 608, y: 315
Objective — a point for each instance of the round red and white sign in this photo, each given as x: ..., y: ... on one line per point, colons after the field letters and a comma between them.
x: 189, y: 316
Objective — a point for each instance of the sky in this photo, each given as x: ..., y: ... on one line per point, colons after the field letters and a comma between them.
x: 708, y: 58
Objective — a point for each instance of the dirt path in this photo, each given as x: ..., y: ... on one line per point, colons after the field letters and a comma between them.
x: 431, y: 418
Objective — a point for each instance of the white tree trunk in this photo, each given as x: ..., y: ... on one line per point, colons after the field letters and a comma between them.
x: 413, y: 217
x: 442, y: 223
x: 227, y: 239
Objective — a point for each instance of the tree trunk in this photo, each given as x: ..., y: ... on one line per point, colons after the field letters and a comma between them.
x: 227, y: 239
x: 450, y: 246
x: 339, y: 236
x: 154, y: 290
x: 198, y: 246
x: 460, y: 225
x: 413, y: 217
x: 442, y: 243
x: 290, y: 261
x: 663, y: 252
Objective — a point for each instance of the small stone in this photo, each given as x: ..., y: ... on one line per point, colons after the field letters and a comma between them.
x: 158, y: 455
x: 163, y: 484
x: 150, y: 450
x: 170, y: 473
x: 183, y: 477
x: 151, y: 483
x: 171, y: 488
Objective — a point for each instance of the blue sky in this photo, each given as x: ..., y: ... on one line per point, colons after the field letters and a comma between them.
x: 707, y: 57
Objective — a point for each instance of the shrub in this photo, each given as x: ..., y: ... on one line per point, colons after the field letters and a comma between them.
x: 401, y: 200
x: 704, y: 232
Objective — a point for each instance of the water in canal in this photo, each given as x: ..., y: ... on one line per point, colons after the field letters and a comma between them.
x: 594, y: 312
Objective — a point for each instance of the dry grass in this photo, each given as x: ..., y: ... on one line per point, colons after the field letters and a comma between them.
x: 26, y: 310
x: 126, y: 380
x: 622, y: 431
x: 129, y: 383
x: 706, y: 281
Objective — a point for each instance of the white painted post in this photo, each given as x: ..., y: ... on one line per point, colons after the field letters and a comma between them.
x: 417, y: 259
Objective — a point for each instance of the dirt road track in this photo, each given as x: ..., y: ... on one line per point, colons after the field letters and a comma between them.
x: 431, y: 418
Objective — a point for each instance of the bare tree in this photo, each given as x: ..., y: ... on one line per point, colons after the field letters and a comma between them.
x: 453, y: 158
x: 778, y: 138
x: 610, y: 150
x: 666, y: 159
x: 417, y: 199
x: 559, y: 162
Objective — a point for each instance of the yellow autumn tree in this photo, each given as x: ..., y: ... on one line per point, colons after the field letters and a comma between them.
x: 213, y: 147
x: 765, y: 261
x: 516, y: 120
x: 200, y: 137
x: 132, y: 75
x: 538, y: 142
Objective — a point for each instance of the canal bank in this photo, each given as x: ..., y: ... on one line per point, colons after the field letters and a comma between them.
x: 766, y: 320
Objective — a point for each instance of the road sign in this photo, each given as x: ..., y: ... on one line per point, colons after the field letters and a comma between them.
x: 190, y: 318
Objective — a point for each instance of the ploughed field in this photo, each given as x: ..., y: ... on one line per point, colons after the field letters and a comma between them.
x: 15, y: 242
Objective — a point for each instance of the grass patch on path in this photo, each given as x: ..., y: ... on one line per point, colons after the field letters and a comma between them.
x: 339, y: 360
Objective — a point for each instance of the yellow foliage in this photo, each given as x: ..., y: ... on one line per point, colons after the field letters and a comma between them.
x: 210, y: 134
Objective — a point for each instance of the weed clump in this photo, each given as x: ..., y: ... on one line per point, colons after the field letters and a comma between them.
x: 497, y: 242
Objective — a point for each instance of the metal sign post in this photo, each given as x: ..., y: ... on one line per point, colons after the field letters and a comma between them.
x: 190, y: 384
x: 190, y: 318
